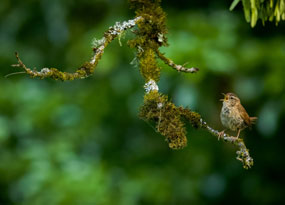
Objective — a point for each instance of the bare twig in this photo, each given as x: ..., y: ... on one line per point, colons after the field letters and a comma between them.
x: 88, y: 67
x: 16, y: 73
x: 179, y: 68
x: 242, y: 154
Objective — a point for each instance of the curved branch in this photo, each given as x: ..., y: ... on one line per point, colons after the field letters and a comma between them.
x: 179, y: 68
x: 88, y: 67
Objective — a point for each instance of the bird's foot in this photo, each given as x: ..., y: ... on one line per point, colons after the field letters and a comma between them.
x: 238, y: 134
x: 221, y: 134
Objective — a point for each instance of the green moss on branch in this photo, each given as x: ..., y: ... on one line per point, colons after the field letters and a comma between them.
x: 151, y: 35
x: 169, y: 120
x: 87, y: 68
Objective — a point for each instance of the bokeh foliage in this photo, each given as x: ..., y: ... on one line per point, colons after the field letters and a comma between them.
x: 266, y: 10
x: 82, y: 142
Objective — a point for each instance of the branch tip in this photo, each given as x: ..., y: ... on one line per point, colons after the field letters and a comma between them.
x: 179, y: 68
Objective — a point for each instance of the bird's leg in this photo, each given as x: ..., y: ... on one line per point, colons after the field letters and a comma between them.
x: 238, y: 133
x: 221, y: 134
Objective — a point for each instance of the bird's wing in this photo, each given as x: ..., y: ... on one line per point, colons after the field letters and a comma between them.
x: 244, y: 115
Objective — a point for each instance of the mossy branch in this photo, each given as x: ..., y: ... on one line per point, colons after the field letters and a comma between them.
x: 170, y: 122
x: 179, y: 68
x: 150, y: 35
x: 87, y: 68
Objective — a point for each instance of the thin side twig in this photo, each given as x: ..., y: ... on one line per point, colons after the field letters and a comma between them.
x: 88, y: 67
x: 179, y: 68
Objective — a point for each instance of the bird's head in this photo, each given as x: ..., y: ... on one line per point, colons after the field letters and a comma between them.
x: 230, y: 99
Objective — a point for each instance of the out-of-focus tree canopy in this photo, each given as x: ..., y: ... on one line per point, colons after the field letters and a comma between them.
x: 81, y: 142
x: 266, y: 10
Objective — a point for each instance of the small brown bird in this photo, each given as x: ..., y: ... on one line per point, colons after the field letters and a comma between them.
x: 233, y: 115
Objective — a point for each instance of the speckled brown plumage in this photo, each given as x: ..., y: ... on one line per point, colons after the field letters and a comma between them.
x: 233, y: 115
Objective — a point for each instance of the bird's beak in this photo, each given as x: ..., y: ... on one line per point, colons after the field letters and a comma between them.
x: 224, y: 97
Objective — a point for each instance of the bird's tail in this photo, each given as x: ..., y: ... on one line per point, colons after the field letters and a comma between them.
x: 253, y: 120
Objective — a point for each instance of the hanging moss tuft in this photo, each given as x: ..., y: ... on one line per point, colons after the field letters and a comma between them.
x: 150, y: 36
x: 168, y: 118
x: 148, y: 65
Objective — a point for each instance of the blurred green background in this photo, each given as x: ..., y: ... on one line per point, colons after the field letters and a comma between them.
x: 82, y: 142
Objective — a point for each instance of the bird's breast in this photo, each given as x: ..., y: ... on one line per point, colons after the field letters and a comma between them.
x: 231, y: 118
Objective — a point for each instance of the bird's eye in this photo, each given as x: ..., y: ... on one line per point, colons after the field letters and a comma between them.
x: 232, y: 98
